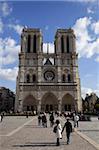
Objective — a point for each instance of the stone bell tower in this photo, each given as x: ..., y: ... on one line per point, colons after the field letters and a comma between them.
x: 67, y: 62
x: 48, y: 81
x: 29, y: 73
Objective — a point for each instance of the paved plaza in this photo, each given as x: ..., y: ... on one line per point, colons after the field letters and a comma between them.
x: 21, y: 133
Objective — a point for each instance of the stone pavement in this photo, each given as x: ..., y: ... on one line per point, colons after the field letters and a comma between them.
x: 20, y: 133
x: 91, y: 129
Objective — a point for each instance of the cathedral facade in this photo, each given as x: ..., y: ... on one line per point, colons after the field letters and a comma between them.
x: 48, y: 81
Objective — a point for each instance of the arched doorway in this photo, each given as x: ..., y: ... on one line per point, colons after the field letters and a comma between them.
x: 49, y: 103
x: 30, y: 103
x: 67, y: 103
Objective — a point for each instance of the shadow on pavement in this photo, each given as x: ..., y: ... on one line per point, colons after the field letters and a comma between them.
x: 43, y: 144
x: 34, y: 126
x: 84, y: 130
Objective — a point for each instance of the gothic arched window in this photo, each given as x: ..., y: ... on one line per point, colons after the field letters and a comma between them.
x: 28, y: 78
x: 62, y: 44
x: 29, y: 43
x: 34, y: 44
x: 63, y: 78
x: 55, y: 46
x: 34, y: 78
x: 67, y: 44
x: 69, y: 78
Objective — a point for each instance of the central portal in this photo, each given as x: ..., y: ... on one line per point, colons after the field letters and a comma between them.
x: 49, y: 103
x: 49, y: 108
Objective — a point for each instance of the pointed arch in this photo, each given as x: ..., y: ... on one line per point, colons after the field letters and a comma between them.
x: 67, y: 102
x: 49, y: 102
x: 29, y: 103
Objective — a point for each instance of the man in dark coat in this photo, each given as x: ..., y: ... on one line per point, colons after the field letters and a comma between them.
x: 68, y: 127
x: 51, y: 120
x: 44, y: 120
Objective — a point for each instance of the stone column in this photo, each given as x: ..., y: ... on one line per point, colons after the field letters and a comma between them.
x: 39, y: 106
x: 70, y: 43
x: 59, y: 101
x: 59, y: 68
x: 59, y: 44
x: 76, y: 105
x: 74, y: 43
x: 39, y: 101
x: 31, y: 49
x: 59, y: 105
x: 39, y: 43
x: 20, y: 105
x: 59, y: 74
x: 39, y: 69
x: 75, y: 101
x: 24, y: 43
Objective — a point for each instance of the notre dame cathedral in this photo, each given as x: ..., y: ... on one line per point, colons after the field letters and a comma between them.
x: 48, y: 81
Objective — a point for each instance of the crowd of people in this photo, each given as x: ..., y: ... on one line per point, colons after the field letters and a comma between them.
x: 55, y: 119
x: 55, y: 123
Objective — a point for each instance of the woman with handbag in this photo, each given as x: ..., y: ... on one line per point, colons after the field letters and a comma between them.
x: 57, y: 130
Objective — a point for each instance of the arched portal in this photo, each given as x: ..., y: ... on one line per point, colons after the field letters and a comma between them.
x: 49, y: 103
x: 30, y: 103
x: 67, y: 103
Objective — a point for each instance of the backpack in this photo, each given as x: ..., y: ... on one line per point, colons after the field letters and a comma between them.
x: 55, y: 129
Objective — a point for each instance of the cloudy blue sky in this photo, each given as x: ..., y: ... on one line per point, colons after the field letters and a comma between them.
x: 81, y: 15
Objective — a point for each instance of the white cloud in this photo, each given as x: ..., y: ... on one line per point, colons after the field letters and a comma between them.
x: 95, y: 27
x: 97, y: 92
x: 1, y: 26
x: 90, y: 11
x: 48, y: 47
x: 97, y: 59
x: 8, y: 51
x: 85, y: 90
x: 8, y: 74
x: 5, y: 8
x: 87, y: 44
x: 18, y: 28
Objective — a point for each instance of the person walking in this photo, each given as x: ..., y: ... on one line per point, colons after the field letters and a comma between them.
x: 27, y: 114
x: 68, y: 127
x: 44, y: 120
x: 98, y: 116
x: 51, y: 119
x: 76, y: 120
x: 39, y: 119
x: 57, y: 130
x: 1, y: 117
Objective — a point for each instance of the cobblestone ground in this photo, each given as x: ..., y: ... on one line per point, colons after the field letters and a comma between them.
x: 32, y: 137
x: 90, y: 128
